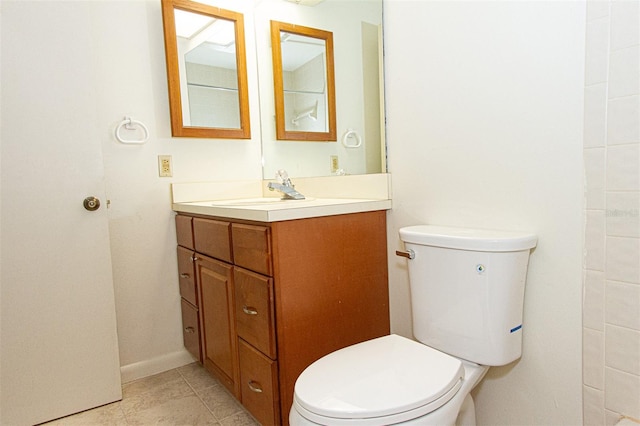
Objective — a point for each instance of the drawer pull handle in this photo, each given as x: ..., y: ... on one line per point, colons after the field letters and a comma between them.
x: 184, y: 275
x: 190, y: 330
x: 194, y: 258
x: 249, y: 310
x: 254, y: 386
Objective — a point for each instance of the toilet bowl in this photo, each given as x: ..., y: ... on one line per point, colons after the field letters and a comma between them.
x: 384, y: 381
x: 467, y: 291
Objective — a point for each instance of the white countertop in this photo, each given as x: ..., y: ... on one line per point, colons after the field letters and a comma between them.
x: 265, y: 210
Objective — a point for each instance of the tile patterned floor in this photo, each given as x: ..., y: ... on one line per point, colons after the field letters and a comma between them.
x: 185, y: 396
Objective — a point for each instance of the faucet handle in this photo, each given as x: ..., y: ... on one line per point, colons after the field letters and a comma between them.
x: 283, y: 177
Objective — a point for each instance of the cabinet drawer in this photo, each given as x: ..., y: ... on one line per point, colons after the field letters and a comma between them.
x: 252, y: 247
x: 184, y: 231
x: 213, y: 238
x: 191, y: 329
x: 259, y: 384
x: 186, y: 274
x: 254, y: 310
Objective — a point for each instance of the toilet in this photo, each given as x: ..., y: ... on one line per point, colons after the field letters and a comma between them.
x: 467, y: 292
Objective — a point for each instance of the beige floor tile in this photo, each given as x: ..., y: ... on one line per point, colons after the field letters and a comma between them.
x: 188, y: 410
x: 184, y: 396
x: 240, y: 419
x: 197, y: 377
x: 158, y: 395
x: 110, y: 414
x: 219, y: 401
x: 145, y: 384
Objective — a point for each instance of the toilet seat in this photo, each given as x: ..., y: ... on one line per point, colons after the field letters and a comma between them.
x: 381, y: 381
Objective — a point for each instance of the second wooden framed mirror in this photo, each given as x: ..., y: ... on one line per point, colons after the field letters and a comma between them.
x: 304, y: 83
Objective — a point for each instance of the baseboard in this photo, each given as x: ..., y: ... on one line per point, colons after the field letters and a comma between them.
x: 156, y: 365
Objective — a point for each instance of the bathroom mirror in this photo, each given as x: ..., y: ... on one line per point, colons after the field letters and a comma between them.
x: 206, y: 70
x: 356, y: 28
x: 304, y: 82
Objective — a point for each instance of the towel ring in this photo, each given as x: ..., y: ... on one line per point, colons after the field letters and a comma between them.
x: 351, y: 133
x: 131, y: 124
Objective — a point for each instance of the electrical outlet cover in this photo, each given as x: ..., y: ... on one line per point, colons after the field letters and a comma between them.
x: 165, y: 168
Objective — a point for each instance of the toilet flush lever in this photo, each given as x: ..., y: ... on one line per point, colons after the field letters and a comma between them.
x: 409, y: 254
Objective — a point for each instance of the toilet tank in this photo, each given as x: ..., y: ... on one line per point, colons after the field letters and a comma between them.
x: 467, y: 290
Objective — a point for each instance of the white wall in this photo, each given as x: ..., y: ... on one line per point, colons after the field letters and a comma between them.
x: 484, y: 115
x: 612, y: 235
x: 129, y: 51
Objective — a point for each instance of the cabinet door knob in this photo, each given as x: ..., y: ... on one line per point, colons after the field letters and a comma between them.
x: 184, y: 275
x: 194, y: 258
x: 190, y: 330
x: 254, y: 386
x: 249, y: 310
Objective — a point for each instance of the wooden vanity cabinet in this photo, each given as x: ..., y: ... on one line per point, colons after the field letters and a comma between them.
x: 292, y: 292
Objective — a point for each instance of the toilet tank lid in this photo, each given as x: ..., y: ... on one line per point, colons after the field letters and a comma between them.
x: 468, y: 239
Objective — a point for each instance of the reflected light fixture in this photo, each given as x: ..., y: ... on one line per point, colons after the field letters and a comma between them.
x: 212, y: 30
x: 306, y: 2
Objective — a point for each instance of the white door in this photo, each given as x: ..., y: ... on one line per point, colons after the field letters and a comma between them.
x: 59, y: 350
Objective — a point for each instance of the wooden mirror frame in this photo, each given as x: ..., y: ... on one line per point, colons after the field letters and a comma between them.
x: 281, y: 132
x: 178, y: 129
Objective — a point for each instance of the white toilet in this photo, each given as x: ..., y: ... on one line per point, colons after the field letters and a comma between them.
x: 467, y: 292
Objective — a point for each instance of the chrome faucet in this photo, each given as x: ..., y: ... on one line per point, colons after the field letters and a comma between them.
x: 285, y: 186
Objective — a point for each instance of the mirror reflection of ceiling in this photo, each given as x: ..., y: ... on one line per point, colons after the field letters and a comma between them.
x: 300, y: 50
x: 205, y: 35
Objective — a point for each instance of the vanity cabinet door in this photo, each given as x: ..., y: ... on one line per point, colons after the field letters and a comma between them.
x: 252, y: 247
x: 254, y: 310
x: 259, y: 384
x: 217, y: 322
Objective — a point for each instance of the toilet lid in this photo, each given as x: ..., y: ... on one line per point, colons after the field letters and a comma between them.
x: 378, y: 378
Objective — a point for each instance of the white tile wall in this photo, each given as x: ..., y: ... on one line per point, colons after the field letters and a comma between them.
x: 622, y: 349
x: 625, y: 16
x: 593, y: 303
x: 622, y: 304
x: 611, y: 305
x: 593, y: 407
x: 596, y: 51
x: 622, y: 120
x: 622, y: 259
x: 622, y: 392
x: 595, y: 166
x: 593, y: 358
x: 622, y: 214
x: 594, y: 240
x: 623, y: 72
x: 595, y: 115
x: 622, y: 167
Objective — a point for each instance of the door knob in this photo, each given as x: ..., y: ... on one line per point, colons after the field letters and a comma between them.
x: 91, y: 203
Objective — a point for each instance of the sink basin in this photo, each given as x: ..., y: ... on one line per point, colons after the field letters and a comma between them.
x: 256, y: 201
